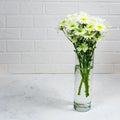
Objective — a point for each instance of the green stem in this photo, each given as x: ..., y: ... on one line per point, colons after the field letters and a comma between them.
x: 82, y: 80
x: 80, y: 86
x: 86, y: 83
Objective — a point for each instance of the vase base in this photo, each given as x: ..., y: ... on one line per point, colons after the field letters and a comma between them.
x: 82, y: 107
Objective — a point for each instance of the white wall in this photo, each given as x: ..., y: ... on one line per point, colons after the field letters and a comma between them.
x: 30, y: 43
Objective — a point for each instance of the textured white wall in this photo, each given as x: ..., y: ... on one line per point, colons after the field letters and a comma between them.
x: 30, y: 43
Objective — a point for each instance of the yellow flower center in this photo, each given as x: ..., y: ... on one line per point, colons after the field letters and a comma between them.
x: 99, y: 27
x: 83, y: 19
x: 63, y: 22
x: 72, y: 25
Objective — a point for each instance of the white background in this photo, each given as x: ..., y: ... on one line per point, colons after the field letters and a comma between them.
x: 30, y: 43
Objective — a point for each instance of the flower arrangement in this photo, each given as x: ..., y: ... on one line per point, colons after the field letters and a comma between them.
x: 84, y: 31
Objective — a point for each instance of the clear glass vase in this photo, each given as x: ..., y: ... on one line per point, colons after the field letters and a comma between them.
x: 82, y: 87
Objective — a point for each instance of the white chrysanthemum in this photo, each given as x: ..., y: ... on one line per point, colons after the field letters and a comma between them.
x: 62, y: 22
x: 72, y: 18
x: 79, y: 31
x: 100, y: 27
x: 83, y: 47
x: 84, y: 14
x: 93, y: 20
x: 88, y: 35
x: 72, y: 26
x: 90, y: 27
x: 83, y: 17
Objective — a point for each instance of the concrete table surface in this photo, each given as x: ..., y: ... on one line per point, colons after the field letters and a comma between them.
x: 50, y: 97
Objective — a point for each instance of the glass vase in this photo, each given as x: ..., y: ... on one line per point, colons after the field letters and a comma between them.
x: 82, y: 87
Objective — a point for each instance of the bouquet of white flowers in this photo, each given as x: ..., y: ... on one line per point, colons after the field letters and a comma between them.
x: 83, y: 31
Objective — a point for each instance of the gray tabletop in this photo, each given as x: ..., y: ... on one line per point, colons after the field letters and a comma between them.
x: 50, y: 97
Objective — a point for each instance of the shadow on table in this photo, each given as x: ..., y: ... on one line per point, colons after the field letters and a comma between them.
x: 53, y: 99
x: 28, y: 96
